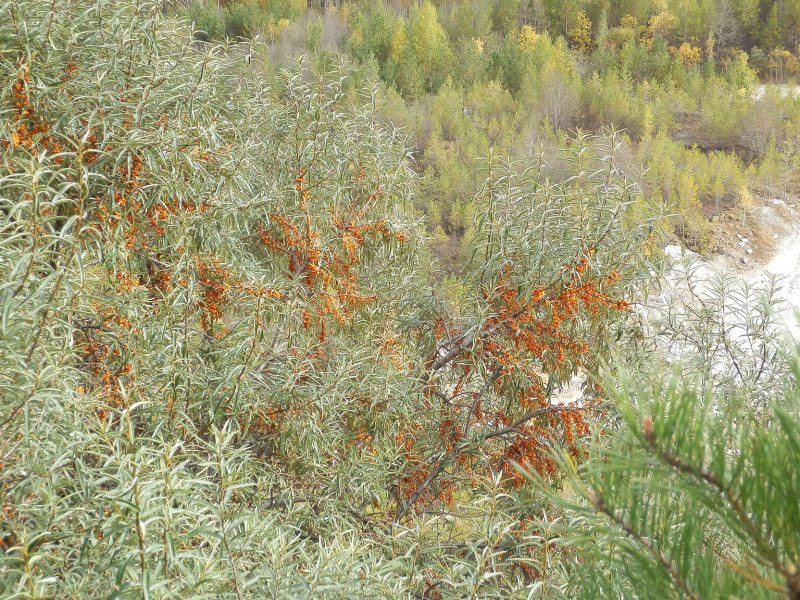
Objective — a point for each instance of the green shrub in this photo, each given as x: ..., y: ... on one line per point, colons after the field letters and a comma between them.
x: 223, y: 370
x: 244, y: 19
x: 206, y: 19
x: 696, y: 496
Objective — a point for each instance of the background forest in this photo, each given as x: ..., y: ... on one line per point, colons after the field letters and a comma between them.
x: 282, y: 327
x: 704, y: 90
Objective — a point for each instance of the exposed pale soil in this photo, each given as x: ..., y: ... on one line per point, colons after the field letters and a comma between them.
x: 746, y: 241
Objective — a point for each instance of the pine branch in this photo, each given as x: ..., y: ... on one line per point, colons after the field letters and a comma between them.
x: 789, y: 573
x: 599, y: 504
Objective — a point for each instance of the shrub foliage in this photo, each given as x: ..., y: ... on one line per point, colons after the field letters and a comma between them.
x: 223, y: 372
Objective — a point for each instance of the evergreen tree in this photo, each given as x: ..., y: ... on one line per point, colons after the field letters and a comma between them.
x: 697, y: 496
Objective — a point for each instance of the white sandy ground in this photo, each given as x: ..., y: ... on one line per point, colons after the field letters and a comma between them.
x: 785, y: 90
x: 785, y: 265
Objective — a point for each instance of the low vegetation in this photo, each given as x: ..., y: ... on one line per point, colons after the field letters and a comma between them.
x: 229, y: 370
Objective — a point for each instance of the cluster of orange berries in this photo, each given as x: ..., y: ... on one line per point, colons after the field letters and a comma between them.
x: 159, y: 215
x: 262, y: 422
x: 449, y: 433
x: 302, y: 188
x: 575, y: 426
x: 330, y: 269
x: 301, y: 249
x: 155, y: 216
x: 102, y: 352
x: 532, y: 328
x: 389, y: 348
x: 259, y: 291
x: 588, y: 294
x: 122, y: 208
x: 352, y: 235
x: 362, y: 441
x: 214, y: 291
x: 161, y: 279
x: 418, y: 469
x: 31, y: 130
x: 8, y: 536
x: 530, y: 449
x: 68, y: 72
x: 126, y: 283
x: 429, y: 589
x: 406, y: 442
x: 359, y: 175
x: 540, y: 334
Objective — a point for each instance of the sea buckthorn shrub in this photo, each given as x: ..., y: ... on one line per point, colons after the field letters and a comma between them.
x: 548, y: 293
x: 222, y: 371
x: 179, y: 237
